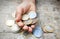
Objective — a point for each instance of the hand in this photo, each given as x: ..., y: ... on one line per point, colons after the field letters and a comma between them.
x: 22, y: 9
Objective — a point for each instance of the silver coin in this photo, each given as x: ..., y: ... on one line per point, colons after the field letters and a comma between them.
x: 10, y: 22
x: 48, y: 29
x: 14, y: 28
x: 32, y: 14
x: 37, y: 31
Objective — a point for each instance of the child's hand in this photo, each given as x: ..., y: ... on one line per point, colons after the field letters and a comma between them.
x: 23, y: 8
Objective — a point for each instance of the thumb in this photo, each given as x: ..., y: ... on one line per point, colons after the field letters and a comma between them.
x: 18, y: 14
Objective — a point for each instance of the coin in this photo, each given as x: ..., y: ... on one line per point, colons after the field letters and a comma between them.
x: 32, y: 14
x: 48, y: 28
x: 10, y: 22
x: 44, y: 29
x: 37, y: 31
x: 27, y: 22
x: 15, y: 28
x: 25, y: 17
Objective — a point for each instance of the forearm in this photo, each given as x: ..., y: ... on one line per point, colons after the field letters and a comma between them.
x: 29, y: 1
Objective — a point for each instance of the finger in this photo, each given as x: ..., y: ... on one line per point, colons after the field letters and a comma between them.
x: 25, y: 27
x: 32, y: 8
x: 32, y: 26
x: 25, y: 7
x: 30, y: 30
x: 18, y: 14
x: 20, y: 24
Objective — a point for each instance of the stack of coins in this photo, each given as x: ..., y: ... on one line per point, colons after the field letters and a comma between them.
x: 30, y: 18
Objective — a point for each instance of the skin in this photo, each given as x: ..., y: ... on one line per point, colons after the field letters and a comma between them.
x: 25, y: 6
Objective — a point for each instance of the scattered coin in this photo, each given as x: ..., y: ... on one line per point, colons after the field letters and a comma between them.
x: 15, y: 28
x: 27, y: 22
x: 25, y: 17
x: 48, y: 28
x: 37, y: 31
x: 10, y: 22
x: 32, y: 14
